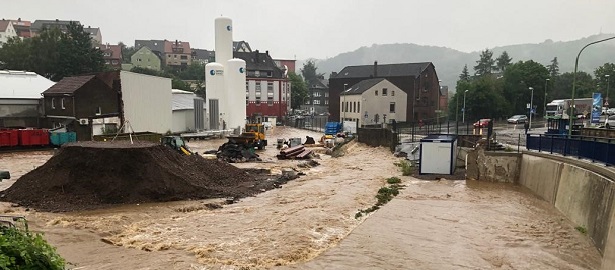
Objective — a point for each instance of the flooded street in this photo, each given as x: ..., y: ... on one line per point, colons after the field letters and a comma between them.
x: 310, y: 223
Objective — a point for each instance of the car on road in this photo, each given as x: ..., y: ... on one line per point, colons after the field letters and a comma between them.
x: 609, y: 122
x: 482, y: 123
x: 516, y: 119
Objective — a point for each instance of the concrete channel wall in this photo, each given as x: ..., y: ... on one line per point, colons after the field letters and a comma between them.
x: 493, y: 166
x: 582, y: 191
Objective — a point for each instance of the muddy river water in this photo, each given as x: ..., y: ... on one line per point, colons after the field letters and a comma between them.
x: 310, y: 223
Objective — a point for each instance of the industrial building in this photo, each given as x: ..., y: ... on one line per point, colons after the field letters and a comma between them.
x: 188, y: 112
x: 21, y: 99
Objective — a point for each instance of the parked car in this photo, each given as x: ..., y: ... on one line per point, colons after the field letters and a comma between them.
x: 516, y: 119
x: 610, y: 111
x: 610, y: 121
x: 482, y: 123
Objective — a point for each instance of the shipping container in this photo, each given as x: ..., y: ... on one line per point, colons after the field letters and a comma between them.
x: 33, y: 137
x: 9, y: 137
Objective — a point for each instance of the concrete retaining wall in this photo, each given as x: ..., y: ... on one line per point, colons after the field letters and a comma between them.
x: 582, y: 191
x: 493, y: 166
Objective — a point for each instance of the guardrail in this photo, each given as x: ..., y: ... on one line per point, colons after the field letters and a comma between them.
x: 596, y: 149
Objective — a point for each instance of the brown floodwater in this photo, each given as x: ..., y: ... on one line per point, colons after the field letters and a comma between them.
x: 310, y: 223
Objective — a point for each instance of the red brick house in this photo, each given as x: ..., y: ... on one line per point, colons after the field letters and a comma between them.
x: 418, y: 80
x: 112, y: 54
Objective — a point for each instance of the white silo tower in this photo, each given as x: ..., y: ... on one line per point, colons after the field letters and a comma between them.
x: 235, y: 84
x: 224, y: 39
x: 216, y: 95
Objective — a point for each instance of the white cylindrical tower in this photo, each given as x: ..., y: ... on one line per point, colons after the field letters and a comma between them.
x: 215, y: 94
x: 224, y: 39
x: 235, y: 83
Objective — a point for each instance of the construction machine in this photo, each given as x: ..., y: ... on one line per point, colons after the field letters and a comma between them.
x: 177, y: 143
x: 252, y: 136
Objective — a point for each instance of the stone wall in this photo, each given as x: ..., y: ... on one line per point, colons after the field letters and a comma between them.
x: 493, y: 166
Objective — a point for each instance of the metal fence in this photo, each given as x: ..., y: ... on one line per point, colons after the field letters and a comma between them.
x: 595, y: 149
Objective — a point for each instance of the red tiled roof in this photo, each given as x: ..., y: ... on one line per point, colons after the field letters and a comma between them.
x: 169, y: 45
x: 116, y: 51
x: 22, y: 23
x: 69, y: 85
x: 3, y: 25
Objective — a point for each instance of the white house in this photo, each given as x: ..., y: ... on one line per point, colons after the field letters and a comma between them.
x: 6, y: 31
x: 373, y: 101
x: 21, y: 99
x: 185, y: 116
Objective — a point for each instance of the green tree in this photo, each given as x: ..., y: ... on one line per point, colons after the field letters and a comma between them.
x: 54, y: 54
x: 299, y: 91
x: 176, y: 83
x: 605, y: 75
x: 553, y: 68
x: 503, y: 61
x: 465, y: 75
x: 486, y: 64
x: 518, y: 78
x: 309, y: 71
x: 562, y: 87
x: 195, y: 71
x: 127, y: 52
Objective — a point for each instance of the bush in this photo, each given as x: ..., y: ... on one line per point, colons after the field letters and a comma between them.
x: 23, y: 250
x: 393, y: 180
x: 406, y: 167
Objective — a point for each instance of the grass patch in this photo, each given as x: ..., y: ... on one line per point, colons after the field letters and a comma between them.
x: 406, y: 167
x: 581, y: 229
x: 384, y: 195
x: 393, y: 180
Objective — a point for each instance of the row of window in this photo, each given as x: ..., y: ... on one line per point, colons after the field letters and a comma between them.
x: 385, y: 92
x: 182, y: 57
x: 53, y: 103
x: 355, y: 107
x: 316, y: 102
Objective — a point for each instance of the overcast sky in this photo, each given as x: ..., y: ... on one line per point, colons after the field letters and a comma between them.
x: 301, y: 29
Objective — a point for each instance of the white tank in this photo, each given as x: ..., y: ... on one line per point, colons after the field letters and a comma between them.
x: 224, y: 39
x: 235, y: 83
x: 214, y: 89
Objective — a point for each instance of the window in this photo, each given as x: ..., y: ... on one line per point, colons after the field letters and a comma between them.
x: 269, y: 74
x: 359, y: 106
x: 376, y: 92
x: 270, y: 101
x: 316, y: 102
x: 62, y: 103
x: 53, y: 103
x: 258, y: 101
x: 326, y: 102
x: 258, y: 88
x: 317, y: 94
x: 184, y: 57
x: 326, y: 94
x: 114, y: 62
x: 257, y: 73
x: 247, y: 86
x: 98, y: 111
x: 392, y: 92
x: 392, y: 107
x: 384, y: 91
x: 269, y: 86
x: 354, y: 106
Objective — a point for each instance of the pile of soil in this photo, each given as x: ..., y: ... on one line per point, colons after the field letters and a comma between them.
x: 93, y: 175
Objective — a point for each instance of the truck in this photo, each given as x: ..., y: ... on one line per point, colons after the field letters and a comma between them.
x: 252, y: 136
x: 558, y: 109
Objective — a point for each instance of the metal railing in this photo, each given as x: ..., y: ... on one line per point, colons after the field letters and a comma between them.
x: 596, y: 149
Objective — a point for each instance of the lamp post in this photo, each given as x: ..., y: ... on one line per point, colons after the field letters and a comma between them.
x: 607, y: 88
x: 463, y: 117
x: 544, y: 110
x: 531, y: 105
x: 574, y: 79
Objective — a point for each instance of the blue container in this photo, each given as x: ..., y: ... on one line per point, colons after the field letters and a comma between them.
x: 60, y: 138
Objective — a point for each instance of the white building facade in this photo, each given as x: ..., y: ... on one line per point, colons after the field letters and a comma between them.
x: 7, y: 31
x: 373, y: 102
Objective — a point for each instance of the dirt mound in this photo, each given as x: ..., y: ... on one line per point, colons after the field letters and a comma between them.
x: 93, y: 175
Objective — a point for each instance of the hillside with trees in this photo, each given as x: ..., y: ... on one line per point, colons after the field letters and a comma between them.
x: 450, y: 62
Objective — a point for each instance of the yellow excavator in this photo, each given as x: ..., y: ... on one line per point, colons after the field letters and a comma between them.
x: 253, y: 135
x: 177, y: 143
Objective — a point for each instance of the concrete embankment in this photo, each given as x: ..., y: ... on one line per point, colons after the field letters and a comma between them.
x: 582, y: 191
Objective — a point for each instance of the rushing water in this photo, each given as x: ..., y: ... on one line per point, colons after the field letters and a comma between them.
x: 309, y: 224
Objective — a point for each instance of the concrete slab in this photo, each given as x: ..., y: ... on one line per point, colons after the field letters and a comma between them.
x: 541, y: 175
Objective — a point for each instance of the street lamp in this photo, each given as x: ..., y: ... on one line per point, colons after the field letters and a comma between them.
x: 544, y: 110
x: 531, y: 105
x: 463, y: 117
x: 574, y: 79
x: 607, y: 88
